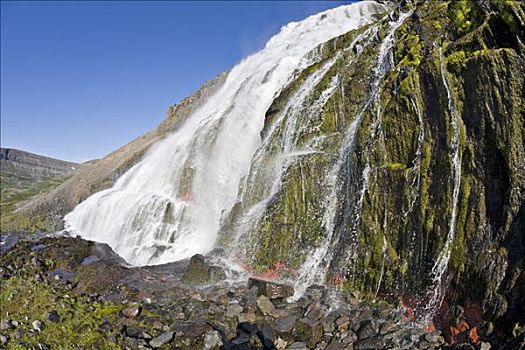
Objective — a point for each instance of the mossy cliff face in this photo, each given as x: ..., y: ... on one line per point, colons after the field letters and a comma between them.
x: 408, y: 218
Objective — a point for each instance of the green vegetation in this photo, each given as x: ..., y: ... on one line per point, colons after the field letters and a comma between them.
x: 464, y: 15
x: 505, y: 9
x: 80, y: 317
x: 17, y: 187
x: 457, y: 61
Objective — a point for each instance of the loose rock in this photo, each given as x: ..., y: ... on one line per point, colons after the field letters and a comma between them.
x: 162, y: 339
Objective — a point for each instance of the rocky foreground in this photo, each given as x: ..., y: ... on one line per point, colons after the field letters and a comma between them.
x: 68, y: 293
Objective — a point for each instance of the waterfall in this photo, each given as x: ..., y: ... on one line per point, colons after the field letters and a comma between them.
x: 169, y: 205
x: 316, y: 265
x: 441, y: 264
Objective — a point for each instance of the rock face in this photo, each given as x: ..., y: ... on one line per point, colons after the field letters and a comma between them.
x: 35, y: 166
x: 422, y: 161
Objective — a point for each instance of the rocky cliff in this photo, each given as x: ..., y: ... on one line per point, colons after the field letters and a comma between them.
x: 33, y: 166
x: 419, y: 166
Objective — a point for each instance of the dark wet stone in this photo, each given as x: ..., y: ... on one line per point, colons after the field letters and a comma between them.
x: 38, y: 247
x: 286, y: 324
x: 89, y: 260
x: 370, y: 343
x: 268, y: 333
x: 201, y: 272
x: 270, y: 289
x: 367, y: 329
x: 53, y: 316
x: 311, y: 331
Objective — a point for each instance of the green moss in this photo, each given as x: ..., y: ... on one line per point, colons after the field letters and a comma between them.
x: 457, y: 61
x: 80, y: 317
x: 457, y: 259
x: 505, y: 9
x: 425, y: 179
x: 396, y: 166
x: 464, y: 15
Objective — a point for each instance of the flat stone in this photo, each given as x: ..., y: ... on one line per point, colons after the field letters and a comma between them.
x: 265, y: 305
x: 342, y: 323
x: 297, y: 346
x: 278, y: 313
x: 212, y: 341
x: 233, y: 310
x: 162, y: 339
x: 335, y: 346
x: 89, y: 260
x: 314, y: 312
x: 286, y: 324
x: 248, y: 317
x: 271, y: 289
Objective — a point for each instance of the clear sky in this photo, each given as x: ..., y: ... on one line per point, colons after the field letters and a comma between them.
x: 80, y: 79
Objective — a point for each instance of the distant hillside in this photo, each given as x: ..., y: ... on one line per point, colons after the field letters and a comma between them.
x: 24, y: 175
x: 33, y: 166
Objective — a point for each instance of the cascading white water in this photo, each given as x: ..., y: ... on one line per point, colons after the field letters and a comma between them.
x: 169, y: 205
x: 441, y: 264
x: 315, y: 267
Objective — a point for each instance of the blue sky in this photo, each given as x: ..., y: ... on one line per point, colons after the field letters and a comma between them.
x: 80, y: 79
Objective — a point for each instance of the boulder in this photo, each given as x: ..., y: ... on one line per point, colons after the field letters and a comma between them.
x: 265, y: 305
x: 311, y: 331
x: 201, y: 272
x: 286, y: 324
x: 271, y: 290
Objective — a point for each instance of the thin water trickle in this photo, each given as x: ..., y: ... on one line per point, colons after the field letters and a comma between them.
x: 441, y: 264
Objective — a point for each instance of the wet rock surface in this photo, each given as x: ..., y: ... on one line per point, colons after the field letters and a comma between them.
x: 152, y: 307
